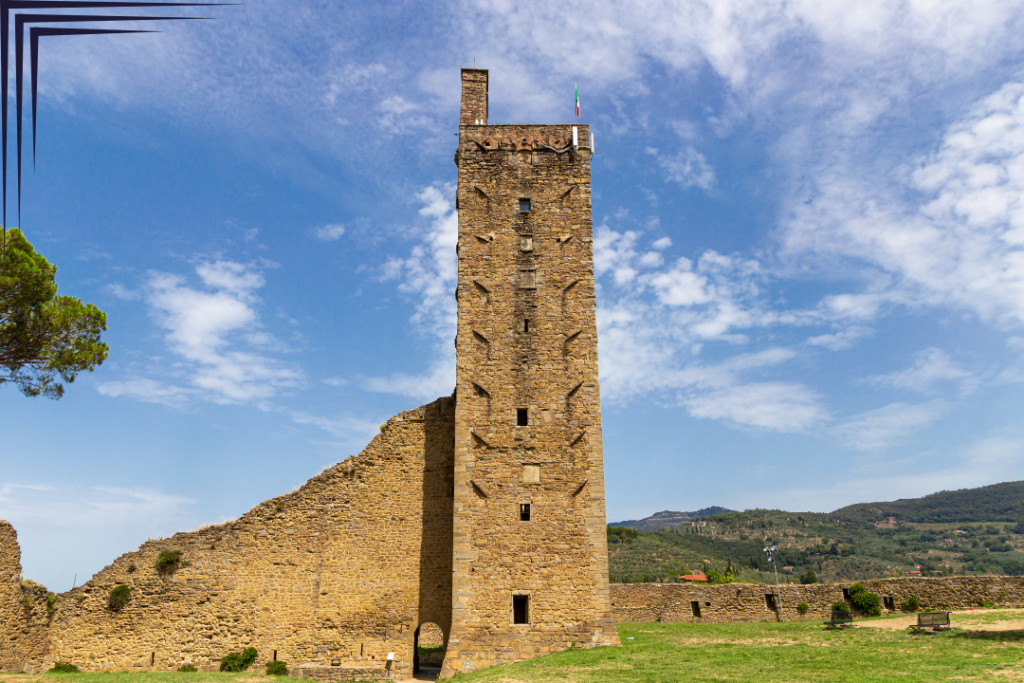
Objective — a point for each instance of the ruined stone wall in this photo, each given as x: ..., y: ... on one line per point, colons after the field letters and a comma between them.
x: 747, y: 602
x: 25, y: 613
x: 527, y: 341
x: 346, y: 567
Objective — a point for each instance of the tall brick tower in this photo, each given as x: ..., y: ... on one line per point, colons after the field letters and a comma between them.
x: 530, y: 561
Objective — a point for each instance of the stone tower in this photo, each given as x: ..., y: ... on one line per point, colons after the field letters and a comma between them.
x: 530, y: 561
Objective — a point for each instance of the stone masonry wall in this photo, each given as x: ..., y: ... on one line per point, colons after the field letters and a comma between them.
x: 673, y: 602
x: 346, y: 567
x: 526, y: 349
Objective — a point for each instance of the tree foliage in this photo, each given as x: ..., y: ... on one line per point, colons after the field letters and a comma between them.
x: 45, y: 339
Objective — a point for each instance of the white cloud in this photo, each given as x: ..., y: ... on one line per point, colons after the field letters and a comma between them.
x: 335, y: 381
x: 147, y: 390
x: 930, y: 366
x: 352, y: 430
x: 330, y: 233
x: 960, y: 245
x: 662, y: 243
x: 205, y: 328
x: 429, y: 274
x: 840, y: 340
x: 689, y: 168
x: 779, y: 406
x: 122, y: 292
x: 884, y: 427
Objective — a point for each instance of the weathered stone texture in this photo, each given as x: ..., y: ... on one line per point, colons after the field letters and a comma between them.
x: 346, y: 567
x: 671, y: 602
x: 527, y: 341
x: 474, y: 97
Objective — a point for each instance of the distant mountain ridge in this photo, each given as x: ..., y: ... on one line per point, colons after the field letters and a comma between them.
x: 668, y: 519
x: 998, y: 502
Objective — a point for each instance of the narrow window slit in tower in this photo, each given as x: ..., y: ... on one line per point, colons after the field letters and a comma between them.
x: 275, y: 655
x: 152, y: 658
x: 522, y: 417
x: 524, y: 512
x: 520, y: 609
x: 526, y: 326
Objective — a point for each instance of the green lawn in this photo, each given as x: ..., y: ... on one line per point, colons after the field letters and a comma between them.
x: 772, y: 652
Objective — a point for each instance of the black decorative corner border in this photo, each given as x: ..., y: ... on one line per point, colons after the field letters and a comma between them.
x: 35, y: 33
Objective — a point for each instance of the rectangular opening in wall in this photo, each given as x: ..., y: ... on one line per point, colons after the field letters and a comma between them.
x: 890, y: 602
x: 846, y: 594
x: 275, y: 655
x: 520, y: 609
x: 524, y: 205
x: 695, y: 608
x: 522, y: 417
x: 526, y: 326
x: 769, y: 600
x: 524, y: 512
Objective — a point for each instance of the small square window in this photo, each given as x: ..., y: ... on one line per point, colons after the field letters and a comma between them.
x: 520, y: 609
x: 522, y: 417
x: 524, y: 205
x: 525, y: 512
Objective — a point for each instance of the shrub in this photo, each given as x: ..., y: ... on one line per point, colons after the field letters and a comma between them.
x: 51, y: 603
x: 187, y: 669
x: 236, y: 662
x: 911, y: 604
x: 26, y: 602
x: 232, y: 661
x: 277, y: 669
x: 64, y: 668
x: 168, y: 562
x: 984, y: 603
x: 866, y: 603
x: 840, y: 607
x: 131, y: 568
x: 119, y: 597
x: 802, y: 608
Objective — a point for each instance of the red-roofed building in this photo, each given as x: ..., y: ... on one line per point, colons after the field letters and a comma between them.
x: 694, y: 578
x: 913, y: 572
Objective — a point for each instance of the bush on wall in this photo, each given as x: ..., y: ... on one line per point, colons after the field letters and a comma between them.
x: 277, y: 669
x: 119, y: 597
x: 168, y: 562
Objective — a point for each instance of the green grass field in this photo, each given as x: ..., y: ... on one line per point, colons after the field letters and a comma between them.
x: 771, y: 652
x: 754, y: 652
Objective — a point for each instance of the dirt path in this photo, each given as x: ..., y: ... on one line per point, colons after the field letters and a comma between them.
x: 968, y: 620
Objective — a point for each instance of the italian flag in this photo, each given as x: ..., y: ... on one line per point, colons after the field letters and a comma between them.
x: 577, y: 101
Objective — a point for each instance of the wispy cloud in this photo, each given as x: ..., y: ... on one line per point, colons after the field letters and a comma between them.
x: 429, y: 275
x: 930, y: 367
x: 214, y: 331
x: 69, y: 517
x: 330, y: 233
x: 885, y: 427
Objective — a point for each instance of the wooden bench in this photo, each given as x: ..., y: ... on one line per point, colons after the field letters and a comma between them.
x: 840, y: 619
x: 931, y: 621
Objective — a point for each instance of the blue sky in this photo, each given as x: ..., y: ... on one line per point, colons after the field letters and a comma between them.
x: 809, y: 241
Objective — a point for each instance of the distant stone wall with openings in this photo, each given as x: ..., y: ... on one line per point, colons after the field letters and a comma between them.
x: 701, y: 603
